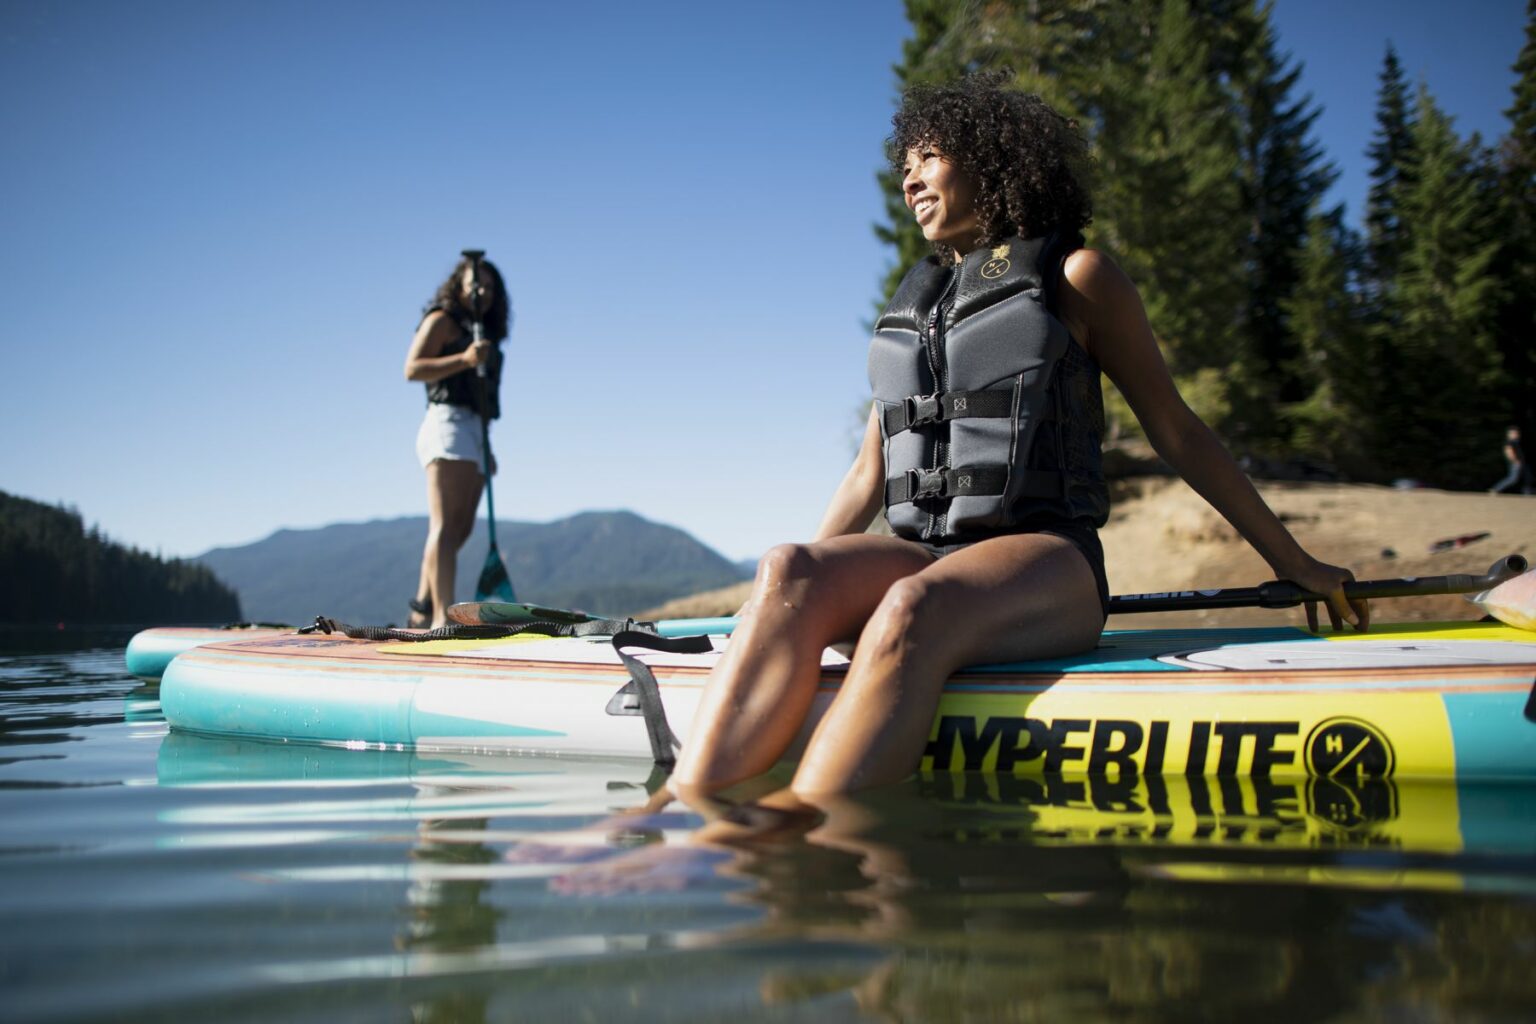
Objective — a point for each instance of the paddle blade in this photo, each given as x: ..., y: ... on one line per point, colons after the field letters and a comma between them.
x: 507, y: 613
x: 494, y: 583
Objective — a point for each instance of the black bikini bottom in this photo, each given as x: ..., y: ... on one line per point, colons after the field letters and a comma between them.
x: 1076, y: 532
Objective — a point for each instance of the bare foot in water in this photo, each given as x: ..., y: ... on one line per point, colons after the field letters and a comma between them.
x: 654, y: 868
x: 733, y: 830
x: 607, y: 838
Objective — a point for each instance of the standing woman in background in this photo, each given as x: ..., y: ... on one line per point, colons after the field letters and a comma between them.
x: 445, y: 357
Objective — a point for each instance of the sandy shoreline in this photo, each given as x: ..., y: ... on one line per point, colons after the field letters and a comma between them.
x: 1163, y: 536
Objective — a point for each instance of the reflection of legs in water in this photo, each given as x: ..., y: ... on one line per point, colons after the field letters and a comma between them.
x: 622, y: 831
x: 730, y: 829
x: 613, y: 835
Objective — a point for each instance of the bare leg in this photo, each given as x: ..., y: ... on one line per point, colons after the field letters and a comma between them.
x: 453, y: 495
x: 805, y: 597
x: 1006, y: 599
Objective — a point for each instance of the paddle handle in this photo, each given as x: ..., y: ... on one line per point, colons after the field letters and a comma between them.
x: 1285, y: 594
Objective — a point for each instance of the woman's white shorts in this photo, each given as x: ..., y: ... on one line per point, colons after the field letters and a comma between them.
x: 449, y: 432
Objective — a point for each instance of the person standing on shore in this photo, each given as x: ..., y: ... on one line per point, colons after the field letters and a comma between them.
x: 462, y: 375
x: 1519, y: 474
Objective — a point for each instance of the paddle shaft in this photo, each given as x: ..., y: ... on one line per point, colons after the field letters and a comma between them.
x: 1285, y: 594
x: 1274, y: 594
x: 485, y: 440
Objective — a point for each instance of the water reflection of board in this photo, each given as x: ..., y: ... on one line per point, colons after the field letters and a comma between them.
x: 1199, y: 828
x: 1403, y: 701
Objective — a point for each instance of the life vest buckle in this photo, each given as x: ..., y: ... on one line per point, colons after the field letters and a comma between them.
x: 927, y: 483
x: 923, y: 409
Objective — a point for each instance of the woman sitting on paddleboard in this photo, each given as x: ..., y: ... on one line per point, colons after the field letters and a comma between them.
x: 983, y: 448
x: 445, y: 356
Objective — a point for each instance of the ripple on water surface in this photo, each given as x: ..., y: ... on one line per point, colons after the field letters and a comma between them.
x: 150, y: 874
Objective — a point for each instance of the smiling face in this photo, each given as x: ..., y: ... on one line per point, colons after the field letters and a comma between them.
x: 942, y: 196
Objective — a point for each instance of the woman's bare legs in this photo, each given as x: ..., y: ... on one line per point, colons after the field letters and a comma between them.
x: 453, y: 495
x: 1006, y: 599
x: 805, y: 597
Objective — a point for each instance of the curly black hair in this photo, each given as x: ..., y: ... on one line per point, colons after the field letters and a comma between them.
x: 1030, y: 163
x: 449, y: 299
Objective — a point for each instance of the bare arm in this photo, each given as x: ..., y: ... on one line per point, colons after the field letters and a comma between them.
x: 860, y: 495
x: 1105, y: 311
x: 424, y: 361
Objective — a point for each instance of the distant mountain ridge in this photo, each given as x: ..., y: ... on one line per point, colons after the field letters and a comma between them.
x: 615, y: 563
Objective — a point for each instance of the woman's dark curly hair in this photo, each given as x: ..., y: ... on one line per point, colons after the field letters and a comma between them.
x: 450, y: 300
x: 1029, y: 162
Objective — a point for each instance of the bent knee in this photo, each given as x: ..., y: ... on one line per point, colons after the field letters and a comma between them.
x: 784, y: 563
x: 909, y: 608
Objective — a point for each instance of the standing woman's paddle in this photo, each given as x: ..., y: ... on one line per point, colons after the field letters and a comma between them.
x: 456, y: 354
x: 494, y: 582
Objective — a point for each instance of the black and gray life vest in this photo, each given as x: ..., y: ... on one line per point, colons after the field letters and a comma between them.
x: 991, y: 414
x: 464, y: 388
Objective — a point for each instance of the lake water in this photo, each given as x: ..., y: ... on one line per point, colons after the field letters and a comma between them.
x: 151, y: 875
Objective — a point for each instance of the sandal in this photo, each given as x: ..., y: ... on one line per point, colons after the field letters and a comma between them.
x: 422, y: 609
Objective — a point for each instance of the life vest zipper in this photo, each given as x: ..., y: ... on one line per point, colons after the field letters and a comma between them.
x: 938, y: 362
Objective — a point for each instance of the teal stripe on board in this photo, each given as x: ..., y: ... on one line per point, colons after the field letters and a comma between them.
x: 1487, y: 729
x: 431, y: 724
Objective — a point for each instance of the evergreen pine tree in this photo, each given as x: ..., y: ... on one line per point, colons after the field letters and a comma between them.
x: 1327, y: 320
x: 1438, y: 410
x: 1169, y: 206
x: 1283, y: 180
x: 1516, y: 263
x: 1391, y: 153
x: 933, y: 54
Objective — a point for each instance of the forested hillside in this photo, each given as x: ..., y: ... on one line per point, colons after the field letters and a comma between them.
x: 53, y: 569
x: 1399, y: 349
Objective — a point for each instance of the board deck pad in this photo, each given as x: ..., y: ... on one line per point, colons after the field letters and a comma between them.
x: 1122, y: 650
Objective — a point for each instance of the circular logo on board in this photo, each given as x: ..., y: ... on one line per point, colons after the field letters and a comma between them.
x: 1350, y: 750
x: 995, y: 267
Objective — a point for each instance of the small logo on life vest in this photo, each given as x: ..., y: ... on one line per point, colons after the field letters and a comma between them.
x: 960, y: 405
x: 963, y: 482
x: 998, y: 265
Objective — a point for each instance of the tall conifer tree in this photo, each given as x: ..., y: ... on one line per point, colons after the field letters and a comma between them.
x: 1284, y: 178
x: 931, y: 55
x: 1327, y: 320
x: 1438, y: 355
x: 1517, y: 258
x: 1392, y: 159
x: 1169, y: 201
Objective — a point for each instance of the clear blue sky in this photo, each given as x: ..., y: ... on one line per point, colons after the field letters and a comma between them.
x: 220, y: 223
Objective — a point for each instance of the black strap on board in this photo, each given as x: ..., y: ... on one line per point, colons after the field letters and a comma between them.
x: 642, y: 696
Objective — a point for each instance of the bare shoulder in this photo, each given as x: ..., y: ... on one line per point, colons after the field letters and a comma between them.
x: 1097, y: 299
x: 1089, y: 274
x: 435, y: 330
